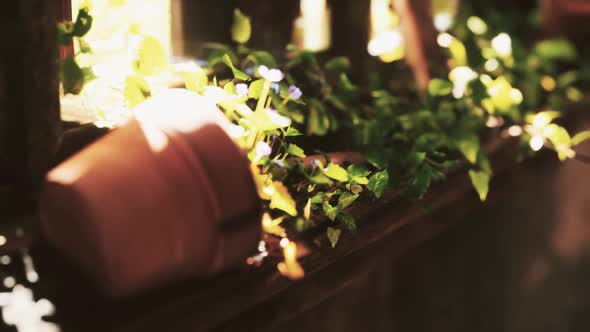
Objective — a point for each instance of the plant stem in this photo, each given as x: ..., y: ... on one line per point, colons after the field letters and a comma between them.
x: 263, y: 96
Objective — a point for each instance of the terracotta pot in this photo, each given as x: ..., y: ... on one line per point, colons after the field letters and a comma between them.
x: 165, y: 197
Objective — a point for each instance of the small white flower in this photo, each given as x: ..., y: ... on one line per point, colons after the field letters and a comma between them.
x: 273, y: 75
x: 262, y: 150
x: 215, y: 94
x: 278, y: 119
x: 241, y: 90
x: 236, y: 131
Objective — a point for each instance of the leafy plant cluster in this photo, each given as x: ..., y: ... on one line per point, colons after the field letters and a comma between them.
x: 293, y: 111
x: 407, y: 142
x: 72, y: 76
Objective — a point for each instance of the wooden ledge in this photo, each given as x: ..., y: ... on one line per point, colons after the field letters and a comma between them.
x: 259, y: 298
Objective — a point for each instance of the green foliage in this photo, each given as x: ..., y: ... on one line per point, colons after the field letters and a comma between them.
x: 333, y: 235
x: 556, y: 49
x: 72, y: 76
x: 438, y: 87
x: 346, y: 199
x: 196, y: 80
x: 480, y: 181
x: 347, y: 222
x: 409, y: 143
x: 151, y: 57
x: 295, y: 151
x: 378, y: 182
x: 238, y: 74
x: 580, y: 137
x: 281, y: 199
x: 241, y: 28
x: 136, y: 90
x: 336, y: 172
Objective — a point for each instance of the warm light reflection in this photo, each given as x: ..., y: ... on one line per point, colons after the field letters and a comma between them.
x: 386, y: 40
x: 491, y: 65
x: 119, y: 31
x: 312, y: 30
x: 22, y: 311
x: 477, y: 25
x: 117, y: 20
x: 461, y: 76
x: 548, y: 83
x: 537, y: 142
x: 290, y: 267
x: 502, y: 44
x: 443, y: 13
x: 515, y: 131
x: 273, y: 226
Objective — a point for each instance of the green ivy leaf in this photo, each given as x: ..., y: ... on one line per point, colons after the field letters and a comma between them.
x: 336, y: 172
x: 422, y: 180
x: 230, y: 88
x: 318, y: 198
x: 281, y: 199
x: 318, y: 120
x: 83, y: 23
x: 561, y: 140
x: 331, y: 211
x: 259, y: 58
x: 241, y: 28
x: 136, y: 90
x: 84, y: 46
x: 458, y: 52
x: 378, y: 182
x: 439, y: 87
x: 358, y: 174
x: 320, y: 178
x: 333, y: 235
x: 469, y: 147
x: 255, y: 89
x: 151, y: 57
x: 307, y: 210
x: 556, y: 49
x: 238, y: 74
x: 338, y: 64
x: 580, y: 137
x: 72, y: 76
x: 290, y: 132
x: 356, y: 189
x: 295, y: 151
x: 347, y: 222
x: 480, y: 181
x: 346, y: 199
x: 196, y: 80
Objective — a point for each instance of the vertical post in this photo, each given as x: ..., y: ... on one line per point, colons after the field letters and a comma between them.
x: 29, y: 102
x: 420, y: 37
x: 64, y: 13
x: 350, y: 34
x: 272, y: 22
x: 567, y: 17
x: 204, y: 22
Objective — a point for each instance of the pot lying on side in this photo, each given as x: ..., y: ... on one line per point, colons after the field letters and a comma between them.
x: 165, y: 197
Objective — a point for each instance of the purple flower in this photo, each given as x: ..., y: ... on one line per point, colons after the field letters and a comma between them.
x: 248, y: 70
x: 241, y: 90
x: 294, y: 92
x: 280, y: 163
x: 315, y: 163
x: 276, y: 88
x: 273, y: 75
x: 262, y: 150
